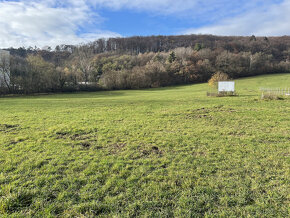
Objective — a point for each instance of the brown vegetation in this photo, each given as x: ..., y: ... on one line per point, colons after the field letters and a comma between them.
x: 141, y: 62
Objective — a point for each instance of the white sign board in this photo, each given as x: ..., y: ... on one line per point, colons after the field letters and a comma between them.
x: 226, y: 86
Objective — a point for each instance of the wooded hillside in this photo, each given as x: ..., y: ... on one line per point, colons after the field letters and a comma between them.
x: 141, y: 62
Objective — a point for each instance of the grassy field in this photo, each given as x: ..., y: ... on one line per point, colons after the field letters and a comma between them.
x: 157, y: 152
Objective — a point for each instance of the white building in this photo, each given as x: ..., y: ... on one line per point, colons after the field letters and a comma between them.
x: 4, y: 68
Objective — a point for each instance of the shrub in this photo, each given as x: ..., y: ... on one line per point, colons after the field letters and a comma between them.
x: 218, y: 76
x: 271, y: 96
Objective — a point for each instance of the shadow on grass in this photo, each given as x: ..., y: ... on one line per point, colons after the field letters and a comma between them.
x: 64, y: 95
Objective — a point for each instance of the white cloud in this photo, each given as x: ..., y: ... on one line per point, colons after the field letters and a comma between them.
x: 43, y: 23
x: 197, y: 9
x: 265, y: 21
x: 52, y: 22
x: 164, y: 6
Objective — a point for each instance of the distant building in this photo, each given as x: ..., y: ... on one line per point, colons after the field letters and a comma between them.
x: 4, y: 68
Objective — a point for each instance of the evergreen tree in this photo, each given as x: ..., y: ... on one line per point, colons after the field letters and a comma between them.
x: 172, y: 57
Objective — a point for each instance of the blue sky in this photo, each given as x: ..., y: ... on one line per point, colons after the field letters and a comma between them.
x: 128, y: 22
x: 52, y: 22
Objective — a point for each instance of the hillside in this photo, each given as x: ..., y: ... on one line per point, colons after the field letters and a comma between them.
x: 142, y: 62
x: 153, y: 152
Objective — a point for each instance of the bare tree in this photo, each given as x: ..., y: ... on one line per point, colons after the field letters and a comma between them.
x: 83, y: 61
x: 5, y: 69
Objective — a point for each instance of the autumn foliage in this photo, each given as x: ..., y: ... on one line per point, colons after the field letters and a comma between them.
x: 218, y: 76
x: 144, y: 62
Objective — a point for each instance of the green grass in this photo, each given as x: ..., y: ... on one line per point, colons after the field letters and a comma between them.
x: 157, y: 152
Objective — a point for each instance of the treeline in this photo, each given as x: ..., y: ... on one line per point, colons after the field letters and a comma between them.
x: 141, y: 62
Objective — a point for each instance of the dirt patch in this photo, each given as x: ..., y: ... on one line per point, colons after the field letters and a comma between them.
x: 152, y: 150
x: 85, y: 144
x: 8, y: 127
x: 117, y: 148
x: 79, y: 137
x: 207, y: 112
x: 285, y: 154
x: 15, y: 142
x: 236, y: 133
x: 199, y: 154
x: 75, y: 136
x: 198, y: 115
x: 61, y: 134
x: 219, y: 108
x: 203, y: 115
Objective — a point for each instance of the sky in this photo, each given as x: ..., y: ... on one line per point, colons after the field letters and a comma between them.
x: 40, y: 23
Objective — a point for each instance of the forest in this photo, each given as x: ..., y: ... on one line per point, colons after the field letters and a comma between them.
x: 141, y: 62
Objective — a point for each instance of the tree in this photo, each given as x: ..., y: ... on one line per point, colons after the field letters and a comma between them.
x: 5, y: 70
x: 171, y: 57
x: 144, y: 62
x: 157, y: 73
x: 82, y: 61
x: 253, y: 38
x: 218, y: 76
x: 19, y: 74
x: 41, y: 73
x: 198, y: 46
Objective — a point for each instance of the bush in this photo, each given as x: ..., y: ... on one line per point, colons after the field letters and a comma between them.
x: 218, y: 76
x: 271, y: 96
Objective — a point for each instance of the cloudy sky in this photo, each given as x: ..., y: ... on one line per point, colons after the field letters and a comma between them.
x: 52, y: 22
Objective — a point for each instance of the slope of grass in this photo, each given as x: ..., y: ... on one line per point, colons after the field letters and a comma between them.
x: 156, y: 152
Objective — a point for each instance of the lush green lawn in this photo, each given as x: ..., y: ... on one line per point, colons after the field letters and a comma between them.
x: 158, y: 152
